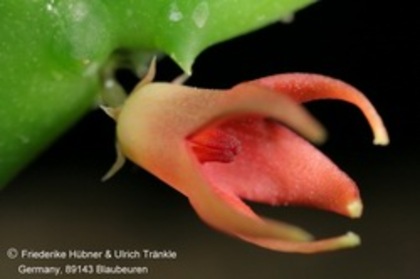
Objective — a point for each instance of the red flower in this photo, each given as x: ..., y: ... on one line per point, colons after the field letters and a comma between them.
x: 219, y: 147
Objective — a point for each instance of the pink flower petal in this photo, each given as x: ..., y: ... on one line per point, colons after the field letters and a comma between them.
x: 273, y: 165
x: 309, y: 87
x: 217, y: 147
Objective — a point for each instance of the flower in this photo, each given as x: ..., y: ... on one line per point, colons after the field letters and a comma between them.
x: 220, y: 147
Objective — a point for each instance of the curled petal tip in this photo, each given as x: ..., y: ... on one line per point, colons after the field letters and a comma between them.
x: 304, y: 87
x: 321, y: 136
x: 228, y: 213
x: 381, y: 136
x: 349, y: 240
x: 355, y: 209
x: 283, y: 108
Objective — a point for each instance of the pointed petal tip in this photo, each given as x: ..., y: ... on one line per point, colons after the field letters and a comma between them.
x: 309, y: 87
x: 381, y: 137
x: 349, y: 240
x: 285, y: 110
x: 355, y: 209
x: 321, y: 135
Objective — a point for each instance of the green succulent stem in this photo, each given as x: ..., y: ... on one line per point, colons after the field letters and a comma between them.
x: 53, y: 54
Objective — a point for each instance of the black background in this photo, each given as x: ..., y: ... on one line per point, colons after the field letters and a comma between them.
x: 58, y: 202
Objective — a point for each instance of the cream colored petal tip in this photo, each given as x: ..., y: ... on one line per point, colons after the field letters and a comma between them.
x: 355, y: 209
x: 348, y: 240
x: 381, y: 136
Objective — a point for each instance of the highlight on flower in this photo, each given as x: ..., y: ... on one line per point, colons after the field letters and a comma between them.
x: 221, y: 147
